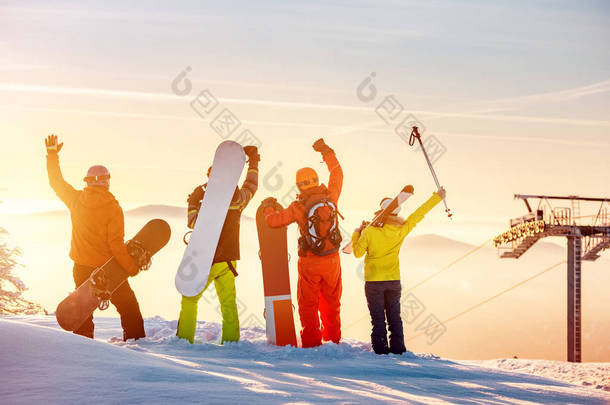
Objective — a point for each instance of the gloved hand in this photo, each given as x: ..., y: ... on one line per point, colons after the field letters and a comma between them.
x: 363, y: 225
x: 252, y: 153
x: 194, y: 199
x: 442, y: 193
x: 322, y: 147
x: 52, y: 144
x: 271, y: 202
x: 140, y: 256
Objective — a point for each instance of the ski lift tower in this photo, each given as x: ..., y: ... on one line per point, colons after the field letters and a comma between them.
x: 587, y: 237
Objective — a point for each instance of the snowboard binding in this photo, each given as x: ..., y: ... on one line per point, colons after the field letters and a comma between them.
x: 140, y: 255
x: 99, y: 282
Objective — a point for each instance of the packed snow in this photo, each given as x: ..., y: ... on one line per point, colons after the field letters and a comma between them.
x: 595, y: 375
x: 42, y: 364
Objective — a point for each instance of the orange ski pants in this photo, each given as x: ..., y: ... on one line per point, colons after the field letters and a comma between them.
x: 319, y: 295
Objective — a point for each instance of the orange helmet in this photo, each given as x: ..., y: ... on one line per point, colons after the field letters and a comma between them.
x: 306, y: 178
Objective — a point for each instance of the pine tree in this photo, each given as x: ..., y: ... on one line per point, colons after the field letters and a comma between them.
x: 11, y: 286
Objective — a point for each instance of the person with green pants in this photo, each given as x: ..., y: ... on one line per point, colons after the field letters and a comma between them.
x: 223, y: 270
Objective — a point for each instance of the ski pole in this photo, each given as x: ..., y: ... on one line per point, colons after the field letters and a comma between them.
x: 415, y: 134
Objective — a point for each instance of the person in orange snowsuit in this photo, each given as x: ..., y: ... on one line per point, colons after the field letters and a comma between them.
x: 319, y: 284
x: 97, y: 235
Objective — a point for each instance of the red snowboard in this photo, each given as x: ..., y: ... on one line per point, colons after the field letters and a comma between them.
x: 276, y: 282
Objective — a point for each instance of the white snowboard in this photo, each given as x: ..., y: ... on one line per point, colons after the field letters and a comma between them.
x: 193, y: 272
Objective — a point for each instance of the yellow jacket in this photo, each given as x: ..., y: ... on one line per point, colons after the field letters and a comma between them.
x: 382, y: 244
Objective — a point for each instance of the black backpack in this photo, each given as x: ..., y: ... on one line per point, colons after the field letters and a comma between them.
x: 321, y: 217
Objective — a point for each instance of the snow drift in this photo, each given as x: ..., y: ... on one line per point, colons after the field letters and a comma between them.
x: 43, y: 364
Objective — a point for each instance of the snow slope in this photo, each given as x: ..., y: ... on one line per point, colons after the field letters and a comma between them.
x: 43, y: 364
x: 595, y: 375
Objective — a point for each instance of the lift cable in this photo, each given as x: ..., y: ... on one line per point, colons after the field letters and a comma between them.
x: 431, y: 276
x: 493, y: 297
x: 448, y: 266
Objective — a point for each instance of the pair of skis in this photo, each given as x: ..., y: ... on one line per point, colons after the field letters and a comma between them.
x: 405, y: 193
x: 380, y: 218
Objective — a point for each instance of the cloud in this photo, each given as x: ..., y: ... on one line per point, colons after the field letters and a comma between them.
x: 161, y: 116
x: 513, y: 103
x: 22, y: 67
x: 525, y: 139
x: 168, y: 97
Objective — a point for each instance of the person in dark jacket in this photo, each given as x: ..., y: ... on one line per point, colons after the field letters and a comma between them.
x: 223, y: 271
x: 97, y: 235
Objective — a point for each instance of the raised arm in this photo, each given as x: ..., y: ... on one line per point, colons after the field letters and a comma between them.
x: 248, y: 189
x: 64, y: 191
x: 419, y: 213
x: 335, y: 181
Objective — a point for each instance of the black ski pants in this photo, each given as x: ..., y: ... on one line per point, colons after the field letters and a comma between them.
x: 383, y: 299
x: 125, y: 302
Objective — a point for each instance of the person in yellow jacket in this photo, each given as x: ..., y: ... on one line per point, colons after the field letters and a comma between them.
x: 382, y: 244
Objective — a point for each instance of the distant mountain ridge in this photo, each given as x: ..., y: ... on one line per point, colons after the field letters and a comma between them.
x: 152, y: 210
x: 173, y: 212
x: 165, y: 211
x: 158, y: 210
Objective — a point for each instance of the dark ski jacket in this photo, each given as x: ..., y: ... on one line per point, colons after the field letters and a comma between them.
x: 228, y: 244
x: 97, y: 221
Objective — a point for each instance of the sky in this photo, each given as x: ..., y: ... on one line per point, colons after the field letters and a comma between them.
x: 516, y: 94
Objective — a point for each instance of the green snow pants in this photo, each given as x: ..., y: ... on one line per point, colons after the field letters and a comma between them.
x: 224, y: 282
